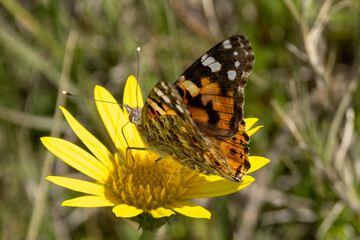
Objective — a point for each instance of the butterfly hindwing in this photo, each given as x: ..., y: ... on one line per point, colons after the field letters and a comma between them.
x: 234, y: 151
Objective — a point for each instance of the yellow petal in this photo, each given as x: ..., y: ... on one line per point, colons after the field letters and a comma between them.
x: 88, y: 201
x: 92, y: 143
x: 76, y: 157
x: 134, y: 139
x: 161, y: 212
x: 126, y: 211
x: 253, y: 130
x: 132, y: 98
x: 214, y: 186
x: 112, y: 117
x: 250, y: 122
x: 78, y: 185
x: 190, y: 210
x: 257, y: 162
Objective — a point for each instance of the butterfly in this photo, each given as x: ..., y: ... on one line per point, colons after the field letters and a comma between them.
x: 199, y: 120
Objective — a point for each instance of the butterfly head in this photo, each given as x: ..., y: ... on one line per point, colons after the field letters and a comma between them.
x: 134, y: 114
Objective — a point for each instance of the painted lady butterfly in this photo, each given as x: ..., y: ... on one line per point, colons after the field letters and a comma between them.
x: 198, y: 120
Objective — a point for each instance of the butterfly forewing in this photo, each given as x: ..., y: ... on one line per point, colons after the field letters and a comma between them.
x: 165, y: 118
x: 213, y: 86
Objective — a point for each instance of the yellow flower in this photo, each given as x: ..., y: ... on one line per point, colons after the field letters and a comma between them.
x: 134, y: 183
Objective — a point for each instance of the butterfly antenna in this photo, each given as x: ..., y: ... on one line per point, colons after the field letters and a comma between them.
x: 89, y: 98
x: 137, y: 73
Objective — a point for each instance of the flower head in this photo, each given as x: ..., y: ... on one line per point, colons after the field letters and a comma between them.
x: 131, y: 180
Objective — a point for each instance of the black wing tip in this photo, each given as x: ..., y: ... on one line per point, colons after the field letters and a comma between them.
x: 239, y: 37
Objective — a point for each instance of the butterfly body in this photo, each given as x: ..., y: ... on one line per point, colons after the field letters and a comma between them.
x: 198, y: 120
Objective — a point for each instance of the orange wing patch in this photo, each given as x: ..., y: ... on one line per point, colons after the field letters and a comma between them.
x: 236, y: 154
x: 199, y: 114
x: 189, y: 87
x: 155, y: 110
x: 219, y: 103
x: 214, y: 110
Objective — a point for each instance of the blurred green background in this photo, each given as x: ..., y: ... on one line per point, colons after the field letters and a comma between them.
x: 303, y: 88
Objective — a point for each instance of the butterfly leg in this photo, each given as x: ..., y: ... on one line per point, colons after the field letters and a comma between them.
x: 127, y: 143
x: 162, y: 174
x: 124, y: 135
x: 133, y: 148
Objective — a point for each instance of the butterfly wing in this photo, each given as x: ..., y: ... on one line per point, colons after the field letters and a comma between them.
x: 213, y: 87
x: 234, y: 152
x: 213, y: 90
x: 199, y: 120
x: 167, y: 127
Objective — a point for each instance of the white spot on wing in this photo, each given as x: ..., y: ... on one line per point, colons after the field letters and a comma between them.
x: 237, y: 63
x: 236, y: 53
x: 231, y: 75
x: 159, y: 92
x: 207, y: 61
x: 164, y: 85
x: 180, y: 108
x: 227, y: 44
x: 215, y: 67
x: 211, y: 63
x: 166, y: 99
x: 173, y: 94
x: 203, y: 57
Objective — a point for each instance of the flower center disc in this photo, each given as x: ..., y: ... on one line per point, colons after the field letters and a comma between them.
x: 148, y: 185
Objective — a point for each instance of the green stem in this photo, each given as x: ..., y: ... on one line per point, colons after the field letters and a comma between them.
x: 149, y: 225
x: 148, y: 234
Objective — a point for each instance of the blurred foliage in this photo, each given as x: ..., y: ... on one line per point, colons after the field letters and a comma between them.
x: 304, y: 89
